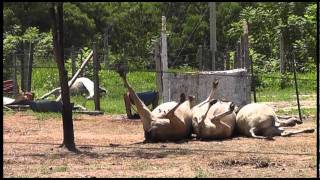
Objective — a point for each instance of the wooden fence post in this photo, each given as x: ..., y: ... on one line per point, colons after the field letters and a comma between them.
x: 106, y: 48
x: 246, y: 62
x: 96, y: 78
x: 237, y: 57
x: 253, y: 81
x: 157, y: 59
x: 23, y: 68
x: 164, y: 61
x: 73, y: 61
x: 15, y: 82
x: 241, y: 61
x: 30, y: 63
x: 227, y: 56
x: 200, y: 57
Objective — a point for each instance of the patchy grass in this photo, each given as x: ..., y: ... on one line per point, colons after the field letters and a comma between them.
x: 200, y: 173
x: 294, y: 111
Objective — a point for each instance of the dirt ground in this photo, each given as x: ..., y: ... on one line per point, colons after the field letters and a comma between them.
x: 111, y: 146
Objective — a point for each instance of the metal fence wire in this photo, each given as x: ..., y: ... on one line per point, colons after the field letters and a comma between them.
x: 267, y: 88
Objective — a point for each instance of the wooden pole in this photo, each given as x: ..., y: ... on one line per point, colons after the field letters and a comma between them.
x: 15, y: 82
x: 241, y: 61
x: 253, y: 81
x: 68, y: 133
x: 213, y: 38
x: 30, y: 63
x: 23, y: 67
x: 157, y: 59
x: 200, y: 57
x: 164, y: 60
x: 296, y: 85
x: 73, y: 60
x: 227, y: 60
x: 246, y: 47
x: 96, y: 96
x: 282, y: 60
x: 106, y: 47
x: 282, y: 54
x: 237, y: 60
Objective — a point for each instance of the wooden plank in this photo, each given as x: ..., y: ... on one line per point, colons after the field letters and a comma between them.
x: 17, y: 107
x: 89, y: 112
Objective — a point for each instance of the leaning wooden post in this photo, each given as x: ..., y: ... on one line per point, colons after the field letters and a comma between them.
x: 164, y: 61
x: 30, y: 63
x: 296, y: 84
x: 96, y: 68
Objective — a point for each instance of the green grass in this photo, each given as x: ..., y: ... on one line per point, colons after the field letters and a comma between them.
x: 49, y: 170
x: 200, y: 173
x: 294, y: 111
x: 43, y: 115
x: 44, y: 80
x: 269, y: 86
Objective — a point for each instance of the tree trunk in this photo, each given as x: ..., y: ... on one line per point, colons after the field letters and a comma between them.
x: 68, y: 134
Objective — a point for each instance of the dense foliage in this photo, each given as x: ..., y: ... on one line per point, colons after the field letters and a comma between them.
x: 134, y: 26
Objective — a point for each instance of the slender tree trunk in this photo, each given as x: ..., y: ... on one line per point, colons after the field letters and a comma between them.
x: 68, y: 134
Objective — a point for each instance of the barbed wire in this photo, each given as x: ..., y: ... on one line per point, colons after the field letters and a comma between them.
x: 171, y: 149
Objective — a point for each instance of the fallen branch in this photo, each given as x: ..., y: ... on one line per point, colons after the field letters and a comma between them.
x: 49, y: 93
x: 89, y: 112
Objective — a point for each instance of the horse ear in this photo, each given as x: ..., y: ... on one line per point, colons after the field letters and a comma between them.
x: 182, y: 97
x: 191, y: 98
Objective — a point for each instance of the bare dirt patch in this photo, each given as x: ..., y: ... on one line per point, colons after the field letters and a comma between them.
x: 111, y: 146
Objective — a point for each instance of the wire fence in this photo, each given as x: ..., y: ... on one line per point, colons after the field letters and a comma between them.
x: 265, y: 88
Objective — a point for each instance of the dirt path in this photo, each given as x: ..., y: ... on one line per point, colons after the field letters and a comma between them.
x: 111, y: 147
